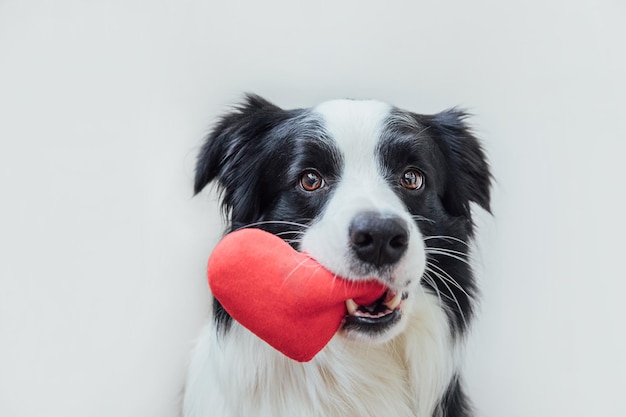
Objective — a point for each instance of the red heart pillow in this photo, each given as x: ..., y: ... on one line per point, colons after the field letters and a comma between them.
x: 283, y: 296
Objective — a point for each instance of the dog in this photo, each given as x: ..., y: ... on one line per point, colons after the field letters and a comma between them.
x: 369, y: 191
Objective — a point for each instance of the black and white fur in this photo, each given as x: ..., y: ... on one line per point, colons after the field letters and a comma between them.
x: 362, y: 158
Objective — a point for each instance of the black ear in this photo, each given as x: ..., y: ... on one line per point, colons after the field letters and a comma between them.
x: 232, y: 134
x: 468, y: 176
x: 234, y: 142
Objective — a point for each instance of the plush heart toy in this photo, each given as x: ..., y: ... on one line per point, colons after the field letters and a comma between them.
x: 283, y: 296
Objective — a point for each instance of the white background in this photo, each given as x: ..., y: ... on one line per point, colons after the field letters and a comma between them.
x: 103, y: 106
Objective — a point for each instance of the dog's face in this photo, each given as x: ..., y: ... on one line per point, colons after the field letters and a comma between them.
x: 368, y: 190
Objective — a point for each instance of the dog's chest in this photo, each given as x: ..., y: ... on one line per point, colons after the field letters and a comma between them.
x: 368, y: 383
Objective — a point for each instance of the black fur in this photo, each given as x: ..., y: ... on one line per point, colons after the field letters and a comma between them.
x: 457, y: 173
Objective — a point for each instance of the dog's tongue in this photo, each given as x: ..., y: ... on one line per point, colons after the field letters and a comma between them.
x: 283, y: 296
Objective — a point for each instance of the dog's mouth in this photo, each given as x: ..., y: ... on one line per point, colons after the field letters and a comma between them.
x: 375, y: 317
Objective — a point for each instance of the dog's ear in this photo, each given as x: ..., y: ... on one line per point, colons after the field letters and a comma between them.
x: 235, y: 141
x: 233, y: 133
x: 468, y: 176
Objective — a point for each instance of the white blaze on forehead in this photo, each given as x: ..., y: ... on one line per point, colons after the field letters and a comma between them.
x: 355, y: 127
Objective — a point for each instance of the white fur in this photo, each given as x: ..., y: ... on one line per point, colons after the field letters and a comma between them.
x: 402, y: 373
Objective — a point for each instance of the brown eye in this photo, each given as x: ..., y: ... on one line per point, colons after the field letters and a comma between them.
x: 412, y: 179
x: 311, y: 180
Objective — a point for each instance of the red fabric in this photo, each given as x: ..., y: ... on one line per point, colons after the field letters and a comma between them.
x: 283, y: 296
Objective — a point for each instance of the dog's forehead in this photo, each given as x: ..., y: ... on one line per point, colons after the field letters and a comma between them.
x: 354, y: 124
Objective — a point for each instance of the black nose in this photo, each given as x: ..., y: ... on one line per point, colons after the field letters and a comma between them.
x: 377, y: 239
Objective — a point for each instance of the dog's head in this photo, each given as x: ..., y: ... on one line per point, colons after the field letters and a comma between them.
x: 367, y: 189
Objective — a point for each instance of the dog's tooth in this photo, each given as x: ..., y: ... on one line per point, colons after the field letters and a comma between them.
x: 352, y: 306
x: 395, y: 301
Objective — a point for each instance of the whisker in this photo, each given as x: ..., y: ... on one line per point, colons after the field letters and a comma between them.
x: 290, y: 232
x: 440, y: 294
x: 265, y: 222
x: 430, y: 280
x: 451, y: 251
x: 451, y: 280
x: 444, y: 253
x: 444, y: 237
x: 333, y: 282
x: 417, y: 217
x: 456, y: 301
x: 300, y: 264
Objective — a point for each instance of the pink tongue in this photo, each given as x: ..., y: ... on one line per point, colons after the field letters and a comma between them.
x: 283, y: 296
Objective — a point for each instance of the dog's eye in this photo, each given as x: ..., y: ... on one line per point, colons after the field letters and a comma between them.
x: 412, y: 179
x: 311, y: 180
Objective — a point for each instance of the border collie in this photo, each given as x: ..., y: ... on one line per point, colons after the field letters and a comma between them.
x: 368, y: 190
